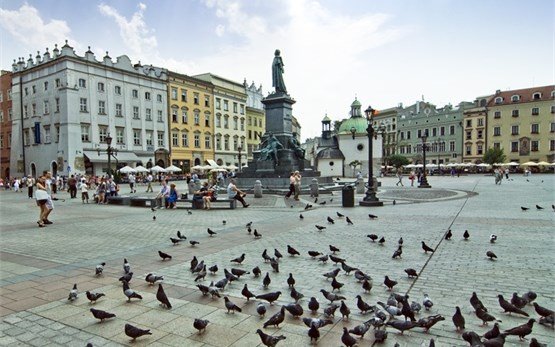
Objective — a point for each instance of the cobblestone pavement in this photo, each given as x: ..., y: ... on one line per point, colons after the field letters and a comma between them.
x: 39, y: 266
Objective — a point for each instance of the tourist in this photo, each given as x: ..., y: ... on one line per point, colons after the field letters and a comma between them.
x: 72, y: 183
x: 209, y: 197
x: 400, y: 177
x: 101, y: 191
x: 84, y: 191
x: 412, y: 176
x: 172, y: 197
x: 49, y: 203
x: 507, y: 173
x: 30, y: 184
x: 234, y: 193
x: 41, y: 196
x: 291, y: 185
x: 498, y: 174
x: 163, y: 195
x: 113, y: 187
x: 198, y: 196
x: 131, y: 179
x: 149, y: 179
x: 16, y: 184
x: 298, y: 180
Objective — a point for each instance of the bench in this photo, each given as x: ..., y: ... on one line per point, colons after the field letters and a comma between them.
x: 142, y: 201
x: 231, y: 203
x: 118, y: 200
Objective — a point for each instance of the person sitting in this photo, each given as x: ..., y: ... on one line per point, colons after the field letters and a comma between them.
x: 172, y: 197
x: 198, y: 197
x: 163, y: 195
x: 209, y: 196
x: 234, y: 193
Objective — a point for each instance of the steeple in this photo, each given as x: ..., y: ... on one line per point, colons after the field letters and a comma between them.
x: 326, y: 127
x: 355, y: 108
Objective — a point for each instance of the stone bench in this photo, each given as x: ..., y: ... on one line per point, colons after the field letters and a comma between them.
x: 142, y: 201
x: 119, y: 200
x: 231, y: 203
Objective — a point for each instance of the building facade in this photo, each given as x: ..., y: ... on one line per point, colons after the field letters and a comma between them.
x: 70, y: 104
x: 475, y: 131
x: 256, y: 119
x: 522, y: 123
x: 6, y: 114
x: 230, y: 119
x: 190, y: 120
x: 386, y: 120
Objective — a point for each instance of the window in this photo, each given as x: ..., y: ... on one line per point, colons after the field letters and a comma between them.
x: 249, y: 121
x: 46, y: 107
x: 57, y: 127
x: 535, y: 111
x: 498, y: 100
x: 553, y: 109
x: 58, y: 83
x: 515, y: 113
x: 226, y: 121
x: 102, y: 133
x: 235, y: 143
x: 25, y: 112
x: 226, y: 143
x: 226, y: 105
x: 434, y: 132
x: 480, y: 149
x: 45, y: 85
x: 552, y: 145
x: 10, y: 114
x: 497, y: 114
x: 175, y: 139
x: 184, y: 139
x: 514, y: 146
x: 218, y: 121
x: 207, y: 101
x: 159, y: 97
x: 535, y: 128
x: 402, y: 135
x: 101, y: 107
x: 83, y: 104
x: 451, y: 130
x: 196, y: 98
x: 147, y: 97
x: 451, y: 146
x: 468, y: 149
x: 196, y: 117
x: 497, y: 131
x: 218, y: 143
x: 536, y: 96
x: 218, y: 103
x: 135, y: 112
x: 174, y: 93
x: 514, y: 130
x: 160, y: 139
x: 34, y: 89
x: 207, y: 141
x: 480, y: 122
x: 82, y: 83
x: 242, y: 124
x: 469, y: 123
x: 149, y: 138
x: 117, y: 90
x: 174, y: 115
x: 408, y: 134
x: 534, y: 145
x: 235, y: 107
x: 1, y: 116
x: 57, y: 105
x: 469, y: 134
x: 119, y: 108
x: 206, y: 120
x: 242, y: 107
x: 137, y: 137
x: 552, y: 127
x: 148, y: 114
x: 135, y: 93
x: 85, y: 129
x: 197, y: 140
x: 496, y: 145
x: 26, y: 138
x: 184, y: 95
x: 101, y: 87
x: 119, y: 136
x: 1, y: 140
x: 515, y: 98
x: 26, y: 91
x: 184, y: 116
x: 34, y: 108
x: 235, y: 123
x: 160, y: 116
x: 480, y: 134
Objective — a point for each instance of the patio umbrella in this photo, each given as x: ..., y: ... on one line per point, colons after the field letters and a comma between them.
x: 484, y: 165
x: 198, y: 167
x: 232, y: 167
x: 173, y: 168
x: 157, y: 169
x: 409, y: 166
x: 543, y: 163
x: 141, y: 169
x: 512, y: 163
x: 529, y: 163
x: 127, y: 169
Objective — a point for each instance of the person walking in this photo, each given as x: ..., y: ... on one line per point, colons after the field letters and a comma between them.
x: 41, y: 196
x: 412, y: 176
x: 101, y: 191
x: 72, y: 187
x: 84, y: 191
x: 234, y: 193
x: 131, y: 178
x: 149, y: 184
x: 400, y: 177
x: 291, y: 185
x: 49, y: 203
x: 298, y: 180
x: 30, y: 184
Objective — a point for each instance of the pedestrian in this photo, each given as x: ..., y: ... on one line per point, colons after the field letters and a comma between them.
x: 291, y: 185
x: 298, y: 180
x: 30, y: 184
x: 131, y: 179
x: 234, y: 193
x: 400, y: 177
x: 149, y: 184
x: 41, y: 195
x: 49, y: 202
x: 507, y: 173
x: 113, y: 188
x: 84, y: 190
x: 498, y: 176
x: 163, y: 195
x: 101, y: 191
x: 16, y: 184
x: 419, y: 175
x: 412, y: 176
x: 72, y: 183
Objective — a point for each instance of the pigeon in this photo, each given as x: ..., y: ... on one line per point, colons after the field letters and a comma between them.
x: 99, y: 269
x: 269, y: 340
x: 331, y: 297
x: 402, y: 325
x: 214, y: 290
x: 164, y: 256
x: 389, y: 283
x: 448, y: 234
x: 256, y: 271
x: 529, y: 296
x: 372, y: 237
x: 472, y: 338
x: 543, y: 311
x: 524, y: 208
x: 224, y: 222
x: 194, y: 243
x: 458, y: 319
x: 270, y: 297
x: 203, y: 289
x: 492, y: 238
x: 330, y: 220
x: 493, y: 333
x: 362, y: 305
x: 198, y: 267
x: 93, y: 296
x: 380, y: 335
x: 427, y: 302
x: 484, y: 316
x: 127, y: 277
x: 292, y: 251
x: 317, y: 322
x: 508, y: 307
x: 491, y: 255
x: 314, y: 254
x: 308, y: 206
x: 277, y: 254
x: 336, y: 285
x: 347, y: 339
x: 102, y: 315
x: 313, y: 305
x: 256, y: 234
x: 153, y: 209
x: 349, y: 221
x: 180, y: 236
x: 427, y: 248
x: 221, y: 283
x: 175, y: 241
x: 296, y: 295
x: 518, y: 301
x: 430, y: 321
x: 267, y: 280
x: 397, y: 253
x: 153, y: 218
x: 238, y: 260
x: 73, y: 293
x: 313, y: 333
x: 230, y: 306
x: 247, y: 293
x: 407, y: 311
x: 324, y: 258
x: 477, y: 303
x: 548, y: 321
x: 330, y: 310
x: 400, y: 241
x: 539, y: 207
x: 361, y: 276
x: 130, y: 293
x: 161, y: 296
x: 372, y: 216
x: 334, y: 249
x: 322, y: 203
x: 394, y: 202
x: 339, y: 215
x: 360, y: 330
x: 466, y: 235
x: 249, y: 224
x: 295, y: 309
x: 319, y: 227
x: 190, y: 213
x: 200, y: 324
x: 290, y: 281
x: 348, y: 269
x: 126, y: 266
x: 276, y: 319
x: 194, y: 263
x: 249, y: 230
x: 411, y: 273
x: 201, y: 274
x: 134, y: 332
x: 152, y: 278
x: 367, y: 286
x: 265, y: 256
x: 239, y: 272
x: 391, y: 309
x: 301, y: 216
x: 211, y: 233
x: 261, y: 309
x: 382, y: 241
x: 335, y: 259
x: 536, y: 343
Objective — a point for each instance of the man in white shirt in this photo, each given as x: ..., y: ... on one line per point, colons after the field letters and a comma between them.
x: 163, y: 195
x: 131, y: 179
x: 234, y: 193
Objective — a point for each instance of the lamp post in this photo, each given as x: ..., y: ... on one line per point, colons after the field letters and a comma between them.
x: 239, y: 149
x: 111, y: 152
x: 438, y: 141
x: 423, y: 179
x: 370, y: 199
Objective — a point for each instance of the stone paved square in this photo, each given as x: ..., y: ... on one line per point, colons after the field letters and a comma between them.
x: 39, y: 266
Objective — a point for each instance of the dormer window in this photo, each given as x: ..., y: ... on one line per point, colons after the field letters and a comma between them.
x: 515, y: 98
x: 537, y: 96
x: 498, y: 100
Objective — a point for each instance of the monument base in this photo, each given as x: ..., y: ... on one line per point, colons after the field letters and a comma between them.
x: 370, y: 203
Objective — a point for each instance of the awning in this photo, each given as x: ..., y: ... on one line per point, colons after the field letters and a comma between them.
x: 212, y: 163
x: 103, y: 157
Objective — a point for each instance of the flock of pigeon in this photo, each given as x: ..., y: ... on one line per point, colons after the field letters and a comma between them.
x: 381, y: 315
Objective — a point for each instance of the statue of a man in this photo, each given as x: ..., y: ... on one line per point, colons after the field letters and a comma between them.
x: 277, y: 74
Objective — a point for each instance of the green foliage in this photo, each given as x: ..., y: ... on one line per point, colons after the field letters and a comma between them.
x: 494, y: 155
x: 336, y: 125
x: 355, y: 163
x: 397, y: 160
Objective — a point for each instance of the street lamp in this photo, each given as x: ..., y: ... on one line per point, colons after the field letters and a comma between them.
x: 423, y: 179
x: 111, y: 152
x: 239, y: 149
x: 353, y: 132
x: 370, y: 199
x: 438, y: 142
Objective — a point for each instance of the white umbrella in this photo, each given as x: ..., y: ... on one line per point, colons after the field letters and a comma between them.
x: 512, y: 163
x: 173, y: 168
x: 217, y: 170
x: 141, y: 169
x: 207, y: 167
x: 198, y: 167
x: 127, y: 169
x: 232, y: 167
x: 483, y: 165
x: 418, y: 166
x: 543, y: 163
x: 409, y: 166
x: 157, y: 169
x: 529, y: 163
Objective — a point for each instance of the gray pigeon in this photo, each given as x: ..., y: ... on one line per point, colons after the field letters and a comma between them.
x: 134, y: 332
x: 347, y: 339
x: 458, y: 319
x: 102, y: 315
x: 276, y: 319
x: 331, y: 297
x: 99, y: 269
x: 73, y: 293
x: 130, y: 293
x: 230, y: 306
x: 402, y: 325
x: 200, y: 324
x: 296, y: 310
x: 247, y: 293
x: 93, y: 296
x: 360, y: 330
x: 261, y: 309
x: 269, y: 340
x: 161, y: 296
x: 270, y: 297
x: 152, y: 278
x: 126, y: 266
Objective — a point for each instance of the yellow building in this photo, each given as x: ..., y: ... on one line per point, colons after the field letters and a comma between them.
x: 191, y: 120
x: 522, y: 123
x: 475, y: 131
x: 256, y: 118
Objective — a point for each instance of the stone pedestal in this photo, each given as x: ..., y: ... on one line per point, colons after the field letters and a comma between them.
x: 314, y: 188
x: 257, y: 189
x: 360, y: 186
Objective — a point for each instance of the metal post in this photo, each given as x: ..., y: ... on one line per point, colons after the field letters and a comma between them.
x: 423, y: 179
x: 239, y: 149
x: 370, y: 199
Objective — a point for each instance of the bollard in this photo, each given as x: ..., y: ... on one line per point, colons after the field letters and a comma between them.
x: 360, y: 185
x: 257, y: 189
x: 314, y: 188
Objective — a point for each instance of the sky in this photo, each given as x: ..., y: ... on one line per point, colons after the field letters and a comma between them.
x: 383, y: 52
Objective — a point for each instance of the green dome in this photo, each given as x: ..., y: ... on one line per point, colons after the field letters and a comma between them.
x: 356, y: 103
x: 359, y: 123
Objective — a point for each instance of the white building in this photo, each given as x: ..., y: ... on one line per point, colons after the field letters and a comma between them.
x: 66, y: 105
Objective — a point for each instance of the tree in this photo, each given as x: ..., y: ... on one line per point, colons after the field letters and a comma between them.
x: 354, y: 164
x: 494, y: 155
x: 397, y: 160
x: 336, y: 125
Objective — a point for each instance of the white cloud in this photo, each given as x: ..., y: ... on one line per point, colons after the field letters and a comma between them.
x: 27, y: 26
x: 238, y: 21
